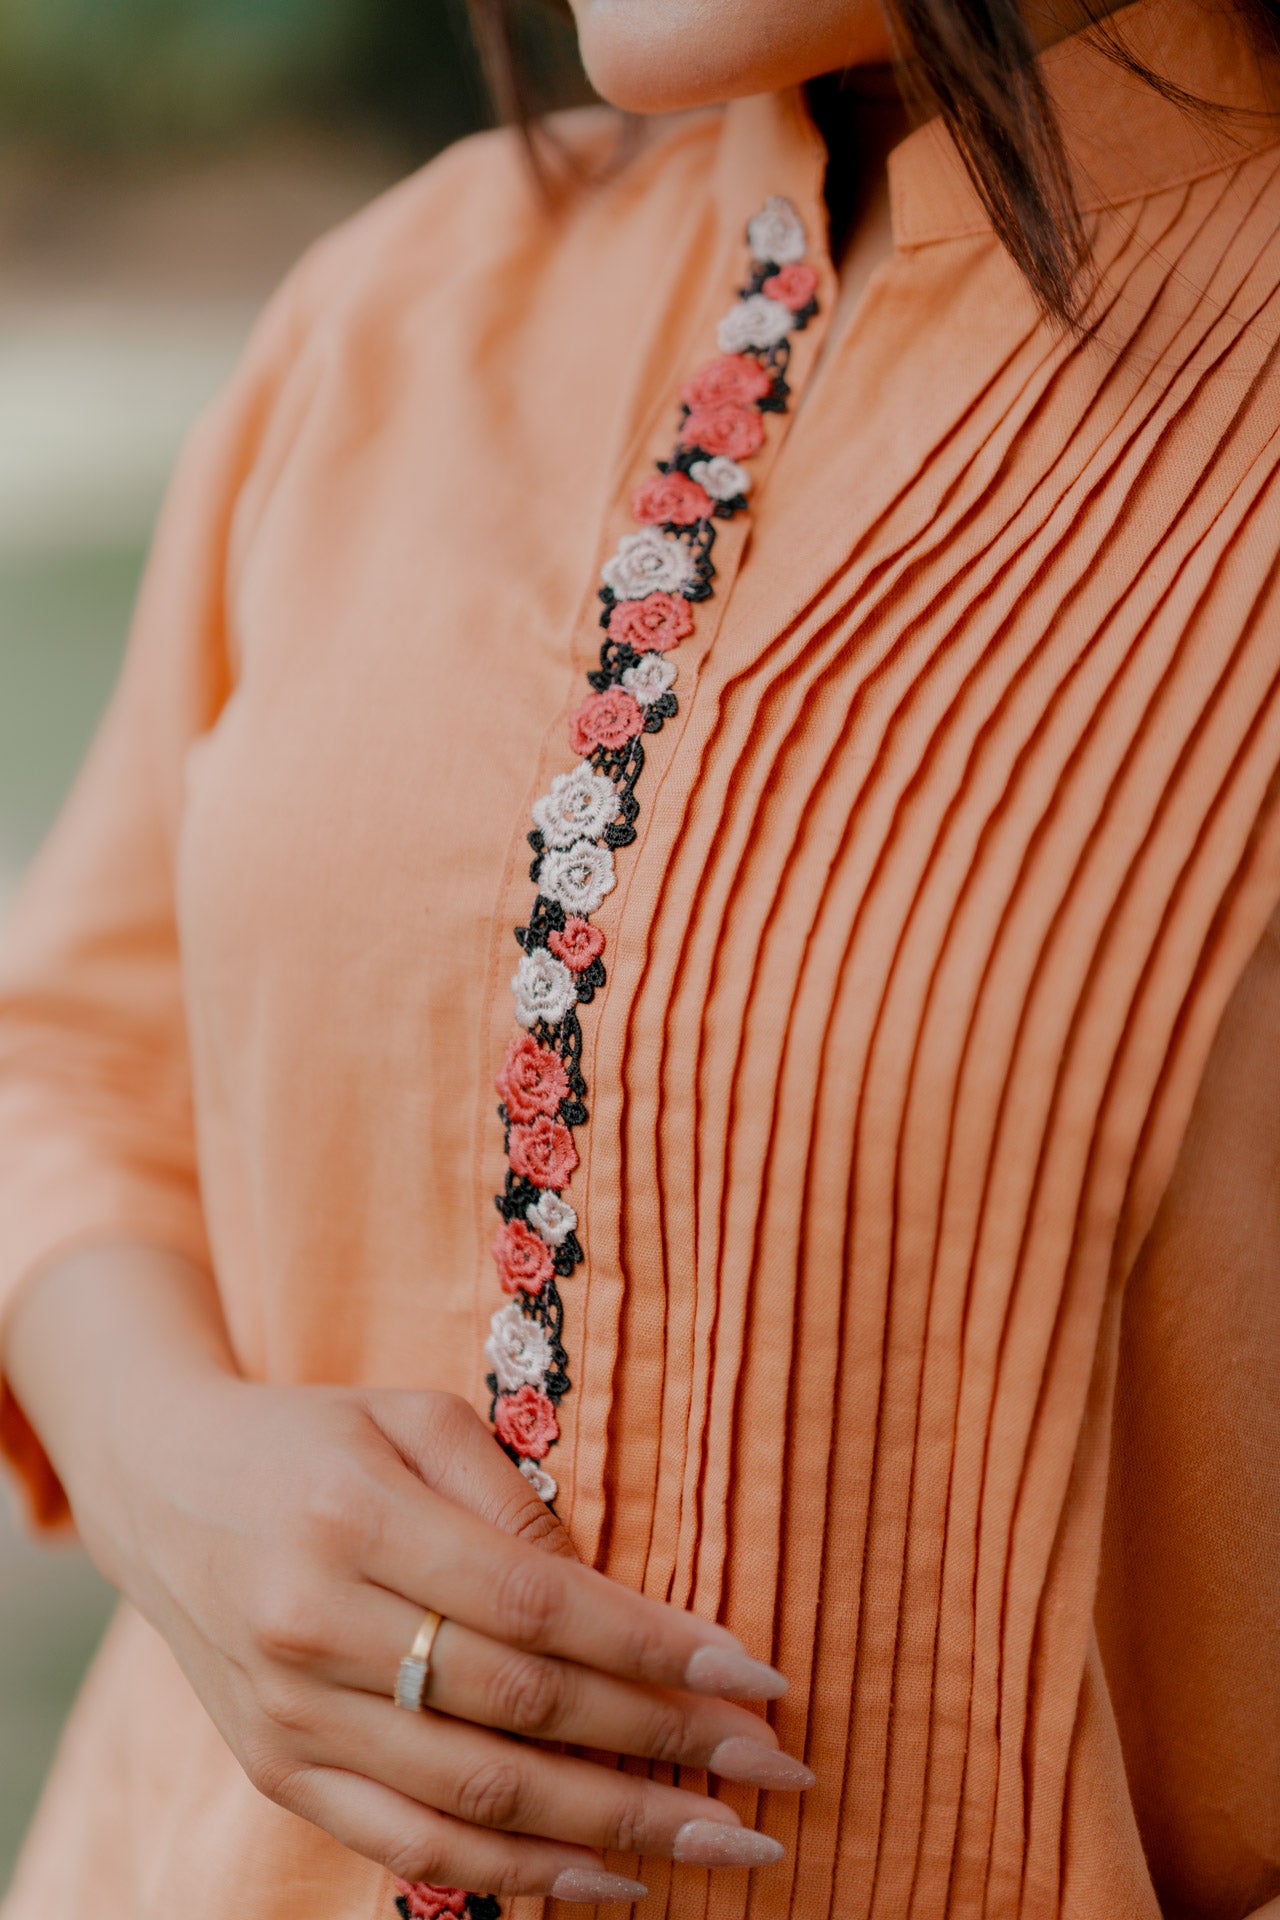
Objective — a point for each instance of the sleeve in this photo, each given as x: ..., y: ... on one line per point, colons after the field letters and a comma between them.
x: 96, y: 1131
x: 1189, y: 1597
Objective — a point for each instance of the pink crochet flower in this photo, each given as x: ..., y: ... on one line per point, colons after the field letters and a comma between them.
x: 734, y: 376
x: 607, y: 719
x: 526, y: 1421
x: 521, y: 1257
x: 670, y: 497
x: 430, y: 1903
x: 795, y: 286
x: 656, y: 623
x: 533, y: 1080
x: 543, y: 1152
x: 578, y: 944
x: 724, y: 427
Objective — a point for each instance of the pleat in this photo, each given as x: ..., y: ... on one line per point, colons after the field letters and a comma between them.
x: 967, y: 828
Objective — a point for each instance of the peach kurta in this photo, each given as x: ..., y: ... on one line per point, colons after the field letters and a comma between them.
x: 945, y: 870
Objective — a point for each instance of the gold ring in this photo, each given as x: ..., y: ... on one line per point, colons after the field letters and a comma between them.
x: 415, y: 1668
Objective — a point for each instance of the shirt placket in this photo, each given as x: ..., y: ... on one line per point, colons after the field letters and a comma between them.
x: 671, y: 546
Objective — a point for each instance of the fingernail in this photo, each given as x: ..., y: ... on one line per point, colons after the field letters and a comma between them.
x: 715, y: 1843
x: 742, y: 1758
x: 593, y: 1883
x: 721, y: 1670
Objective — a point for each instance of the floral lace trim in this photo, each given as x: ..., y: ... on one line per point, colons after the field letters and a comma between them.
x: 415, y: 1900
x: 651, y: 585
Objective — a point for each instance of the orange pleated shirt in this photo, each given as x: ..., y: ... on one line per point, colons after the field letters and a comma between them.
x: 896, y: 1344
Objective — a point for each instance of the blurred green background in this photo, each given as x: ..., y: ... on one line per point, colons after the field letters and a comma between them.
x: 162, y: 162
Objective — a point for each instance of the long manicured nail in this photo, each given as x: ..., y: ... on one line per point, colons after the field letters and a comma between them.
x: 742, y: 1758
x: 593, y: 1883
x: 715, y: 1843
x: 721, y: 1671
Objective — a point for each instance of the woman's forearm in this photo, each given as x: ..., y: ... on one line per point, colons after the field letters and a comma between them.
x: 98, y: 1346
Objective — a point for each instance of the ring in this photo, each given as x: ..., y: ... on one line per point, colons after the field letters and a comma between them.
x: 415, y: 1668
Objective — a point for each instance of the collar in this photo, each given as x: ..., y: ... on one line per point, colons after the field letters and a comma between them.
x: 1124, y: 140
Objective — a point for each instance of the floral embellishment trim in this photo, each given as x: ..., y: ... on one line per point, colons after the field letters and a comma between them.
x: 650, y: 586
x: 415, y: 1900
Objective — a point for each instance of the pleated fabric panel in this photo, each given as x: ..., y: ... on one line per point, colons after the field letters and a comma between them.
x: 966, y: 831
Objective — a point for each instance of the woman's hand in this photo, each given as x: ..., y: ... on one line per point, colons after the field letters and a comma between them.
x: 286, y: 1541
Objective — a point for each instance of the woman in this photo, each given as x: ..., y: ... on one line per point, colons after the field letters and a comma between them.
x: 850, y: 670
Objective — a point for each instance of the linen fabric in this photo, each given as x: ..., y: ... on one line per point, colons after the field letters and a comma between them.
x: 927, y: 1327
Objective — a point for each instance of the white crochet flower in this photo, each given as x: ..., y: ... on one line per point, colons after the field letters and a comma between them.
x: 756, y: 321
x: 544, y: 988
x: 777, y: 232
x: 649, y: 562
x: 552, y: 1217
x: 651, y: 676
x: 579, y: 806
x: 518, y: 1349
x: 539, y: 1479
x: 722, y: 477
x: 578, y: 876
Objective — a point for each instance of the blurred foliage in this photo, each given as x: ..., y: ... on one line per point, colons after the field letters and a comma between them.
x: 119, y: 74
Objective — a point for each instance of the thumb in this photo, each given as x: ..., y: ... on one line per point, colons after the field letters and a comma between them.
x: 442, y: 1439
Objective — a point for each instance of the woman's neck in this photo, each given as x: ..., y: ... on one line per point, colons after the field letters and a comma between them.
x: 861, y: 116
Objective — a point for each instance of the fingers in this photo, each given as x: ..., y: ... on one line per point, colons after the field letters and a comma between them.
x: 486, y: 1781
x: 476, y: 1679
x: 418, y: 1844
x: 440, y: 1556
x: 451, y: 1450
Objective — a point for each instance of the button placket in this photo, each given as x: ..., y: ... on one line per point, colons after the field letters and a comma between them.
x: 665, y: 569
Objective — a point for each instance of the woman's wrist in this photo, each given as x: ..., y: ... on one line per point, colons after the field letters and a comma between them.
x: 110, y: 1350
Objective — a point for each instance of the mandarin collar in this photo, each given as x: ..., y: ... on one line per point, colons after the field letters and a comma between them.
x: 769, y: 146
x: 1124, y: 140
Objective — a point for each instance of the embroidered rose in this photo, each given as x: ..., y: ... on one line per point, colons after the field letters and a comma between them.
x: 526, y: 1420
x: 672, y: 497
x: 518, y: 1349
x: 607, y: 719
x: 540, y: 1480
x: 651, y: 676
x: 543, y: 1152
x: 756, y: 321
x: 533, y: 1080
x: 552, y: 1217
x: 777, y: 232
x: 521, y: 1257
x: 543, y: 986
x: 795, y: 286
x: 578, y: 877
x: 649, y: 561
x: 579, y: 806
x: 734, y: 376
x: 577, y: 943
x: 724, y: 428
x: 431, y: 1903
x: 723, y: 479
x: 659, y: 621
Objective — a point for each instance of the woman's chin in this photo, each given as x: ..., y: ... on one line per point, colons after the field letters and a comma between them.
x: 659, y: 56
x: 630, y: 73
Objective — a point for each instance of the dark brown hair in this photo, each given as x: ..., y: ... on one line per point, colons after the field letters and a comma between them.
x: 973, y: 63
